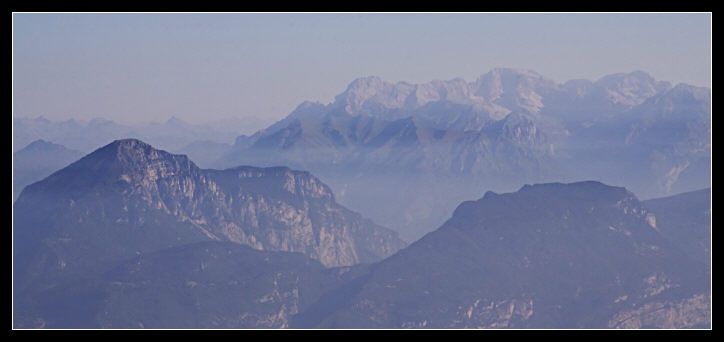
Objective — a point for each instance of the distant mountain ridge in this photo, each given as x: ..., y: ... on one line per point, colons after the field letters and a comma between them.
x: 172, y: 134
x: 372, y: 108
x: 37, y: 160
x: 506, y: 128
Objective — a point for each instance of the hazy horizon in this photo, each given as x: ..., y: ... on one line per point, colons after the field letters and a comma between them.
x: 208, y: 67
x: 362, y: 171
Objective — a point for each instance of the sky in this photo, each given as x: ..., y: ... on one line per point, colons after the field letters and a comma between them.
x: 134, y: 68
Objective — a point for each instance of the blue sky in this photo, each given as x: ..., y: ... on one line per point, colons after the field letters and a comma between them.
x: 200, y: 67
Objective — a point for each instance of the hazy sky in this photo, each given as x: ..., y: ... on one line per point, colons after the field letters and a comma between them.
x: 200, y: 67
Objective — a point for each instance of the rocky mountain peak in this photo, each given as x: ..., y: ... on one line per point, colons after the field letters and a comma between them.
x: 364, y: 88
x: 630, y: 89
x: 510, y: 77
x: 125, y: 162
x: 372, y: 91
x: 175, y: 121
x: 515, y: 89
x: 134, y: 152
x: 40, y: 145
x: 512, y: 72
x: 130, y: 146
x: 682, y: 102
x: 586, y: 197
x: 685, y: 92
x: 506, y: 87
x: 135, y: 157
x: 592, y: 193
x: 99, y: 122
x: 621, y: 78
x: 584, y: 189
x: 366, y: 84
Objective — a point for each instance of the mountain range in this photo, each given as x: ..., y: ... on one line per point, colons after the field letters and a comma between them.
x: 133, y: 237
x: 174, y: 134
x: 405, y: 154
x: 507, y: 128
x: 38, y: 160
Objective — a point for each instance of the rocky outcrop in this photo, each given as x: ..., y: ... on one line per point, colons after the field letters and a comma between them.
x: 689, y: 313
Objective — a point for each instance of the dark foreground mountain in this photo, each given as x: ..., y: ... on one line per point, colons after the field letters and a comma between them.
x: 38, y: 160
x: 199, y: 285
x: 580, y: 255
x: 127, y: 199
x: 685, y: 220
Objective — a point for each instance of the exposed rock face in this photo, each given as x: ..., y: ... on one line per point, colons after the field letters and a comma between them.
x: 690, y: 313
x: 579, y: 255
x: 281, y: 209
x: 128, y: 198
x: 503, y: 314
x: 498, y: 92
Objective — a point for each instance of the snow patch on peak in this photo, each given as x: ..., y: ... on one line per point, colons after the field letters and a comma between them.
x: 630, y: 89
